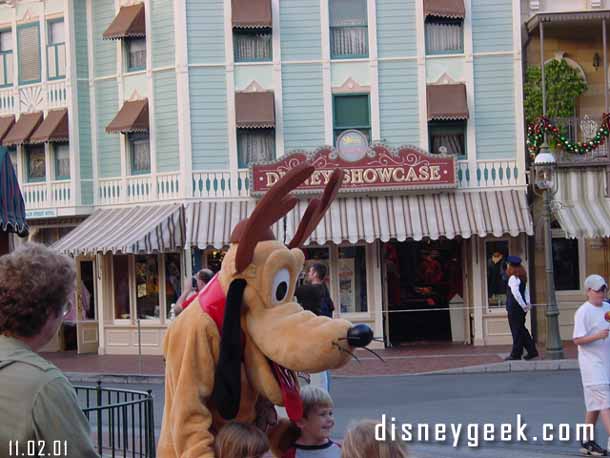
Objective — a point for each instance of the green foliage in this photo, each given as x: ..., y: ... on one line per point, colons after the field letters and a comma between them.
x: 563, y: 85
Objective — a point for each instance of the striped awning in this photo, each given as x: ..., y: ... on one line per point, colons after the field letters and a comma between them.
x: 581, y: 206
x: 146, y: 229
x: 12, y: 207
x: 368, y: 218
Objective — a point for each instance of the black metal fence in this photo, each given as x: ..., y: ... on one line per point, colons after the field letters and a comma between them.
x: 122, y: 421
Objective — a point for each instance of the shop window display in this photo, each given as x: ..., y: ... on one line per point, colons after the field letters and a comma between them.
x: 495, y: 255
x: 566, y: 270
x: 120, y: 271
x: 173, y: 279
x: 147, y: 286
x: 352, y: 279
x: 214, y: 258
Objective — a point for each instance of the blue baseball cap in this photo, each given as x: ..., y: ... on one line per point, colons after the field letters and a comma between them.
x: 514, y: 260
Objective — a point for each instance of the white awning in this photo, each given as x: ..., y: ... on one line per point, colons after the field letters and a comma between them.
x: 366, y: 218
x: 147, y: 229
x: 581, y: 206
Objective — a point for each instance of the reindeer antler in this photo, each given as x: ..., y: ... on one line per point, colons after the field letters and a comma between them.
x: 316, y: 209
x: 275, y: 203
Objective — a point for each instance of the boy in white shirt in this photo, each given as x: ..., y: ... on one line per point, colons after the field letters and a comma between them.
x: 591, y: 337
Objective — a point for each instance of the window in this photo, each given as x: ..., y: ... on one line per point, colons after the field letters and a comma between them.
x: 316, y: 255
x: 352, y: 279
x: 28, y: 41
x: 120, y: 274
x: 255, y: 145
x: 56, y: 50
x: 173, y: 280
x: 6, y: 58
x: 35, y: 161
x: 147, y: 286
x: 139, y: 152
x: 447, y: 137
x: 136, y: 54
x: 62, y: 161
x: 352, y: 112
x: 495, y: 255
x: 252, y: 45
x: 444, y: 36
x: 348, y: 29
x: 566, y: 270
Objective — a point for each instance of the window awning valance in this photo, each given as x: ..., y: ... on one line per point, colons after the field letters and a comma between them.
x: 447, y: 102
x: 254, y: 109
x: 130, y: 22
x: 251, y: 14
x: 54, y: 128
x: 453, y: 9
x: 146, y: 229
x: 133, y: 117
x: 23, y: 129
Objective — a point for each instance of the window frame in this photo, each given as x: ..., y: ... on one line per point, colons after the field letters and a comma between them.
x: 126, y: 44
x: 4, y: 55
x: 23, y: 82
x: 241, y: 131
x: 58, y: 177
x: 29, y: 179
x: 57, y: 47
x: 332, y: 27
x: 443, y: 52
x: 268, y: 31
x: 338, y: 129
x: 456, y: 126
x: 131, y: 139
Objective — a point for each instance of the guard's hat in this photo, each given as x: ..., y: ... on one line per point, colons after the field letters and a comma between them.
x: 514, y: 260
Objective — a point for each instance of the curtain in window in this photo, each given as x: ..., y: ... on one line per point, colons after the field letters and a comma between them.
x: 349, y: 41
x: 453, y: 143
x: 249, y: 46
x: 255, y: 145
x: 29, y: 53
x: 62, y: 161
x: 443, y: 37
x: 36, y: 162
x: 137, y: 53
x: 141, y: 156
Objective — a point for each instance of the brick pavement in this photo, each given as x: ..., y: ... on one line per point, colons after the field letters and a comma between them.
x: 407, y: 359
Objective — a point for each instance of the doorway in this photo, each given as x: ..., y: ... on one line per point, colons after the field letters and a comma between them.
x: 422, y: 278
x: 86, y: 307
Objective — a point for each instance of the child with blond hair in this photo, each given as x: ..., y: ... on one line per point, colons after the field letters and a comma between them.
x: 360, y: 442
x: 240, y: 440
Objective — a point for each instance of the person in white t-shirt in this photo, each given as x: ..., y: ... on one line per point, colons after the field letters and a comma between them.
x: 591, y: 337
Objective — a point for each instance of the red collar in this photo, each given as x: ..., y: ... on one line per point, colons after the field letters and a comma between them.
x: 213, y: 302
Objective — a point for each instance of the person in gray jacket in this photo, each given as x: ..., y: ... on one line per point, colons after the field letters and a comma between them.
x: 38, y: 405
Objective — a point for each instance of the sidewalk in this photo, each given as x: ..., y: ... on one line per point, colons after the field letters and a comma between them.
x: 408, y: 359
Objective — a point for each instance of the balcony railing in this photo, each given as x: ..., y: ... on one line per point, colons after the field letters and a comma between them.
x: 53, y: 94
x: 220, y: 183
x: 138, y: 188
x: 54, y: 194
x: 488, y: 174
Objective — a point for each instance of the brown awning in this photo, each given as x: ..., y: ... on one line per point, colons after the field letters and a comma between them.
x: 54, y: 128
x: 453, y: 9
x: 6, y: 122
x: 447, y: 102
x: 133, y: 117
x: 251, y: 14
x: 129, y: 23
x: 254, y: 109
x: 23, y: 128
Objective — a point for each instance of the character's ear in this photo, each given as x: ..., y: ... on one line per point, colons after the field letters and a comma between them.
x: 227, y: 381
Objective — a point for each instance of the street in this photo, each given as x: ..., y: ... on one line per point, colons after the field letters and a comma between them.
x: 539, y: 397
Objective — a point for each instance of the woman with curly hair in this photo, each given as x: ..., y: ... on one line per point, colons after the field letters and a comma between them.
x: 36, y: 285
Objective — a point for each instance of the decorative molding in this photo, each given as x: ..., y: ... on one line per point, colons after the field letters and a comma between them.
x: 129, y: 2
x: 32, y: 98
x: 350, y: 86
x: 27, y: 16
x: 254, y: 86
x: 445, y: 78
x: 534, y: 5
x: 596, y: 3
x: 135, y: 95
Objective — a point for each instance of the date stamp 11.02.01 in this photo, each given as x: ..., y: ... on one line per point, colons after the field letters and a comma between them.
x: 38, y: 448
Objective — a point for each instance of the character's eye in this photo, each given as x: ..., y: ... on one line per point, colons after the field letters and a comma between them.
x: 279, y: 289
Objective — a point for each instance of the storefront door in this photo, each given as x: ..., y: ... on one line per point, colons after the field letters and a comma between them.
x: 422, y: 278
x: 86, y: 307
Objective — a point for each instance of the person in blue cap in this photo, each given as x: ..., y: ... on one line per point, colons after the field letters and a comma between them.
x: 517, y: 306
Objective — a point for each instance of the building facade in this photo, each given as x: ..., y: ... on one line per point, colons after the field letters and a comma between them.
x: 573, y: 32
x: 147, y: 117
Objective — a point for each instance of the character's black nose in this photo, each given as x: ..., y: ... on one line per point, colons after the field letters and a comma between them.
x: 359, y: 335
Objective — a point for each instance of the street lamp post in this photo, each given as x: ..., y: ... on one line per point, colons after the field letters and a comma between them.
x: 545, y: 180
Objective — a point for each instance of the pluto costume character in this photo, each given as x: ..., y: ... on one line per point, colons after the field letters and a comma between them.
x: 238, y: 347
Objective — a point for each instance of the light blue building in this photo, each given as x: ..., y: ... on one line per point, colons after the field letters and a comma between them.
x: 164, y: 104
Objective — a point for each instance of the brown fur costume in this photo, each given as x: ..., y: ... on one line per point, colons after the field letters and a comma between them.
x: 221, y: 365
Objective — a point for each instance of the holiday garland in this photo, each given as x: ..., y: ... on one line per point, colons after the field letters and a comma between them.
x: 536, y: 130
